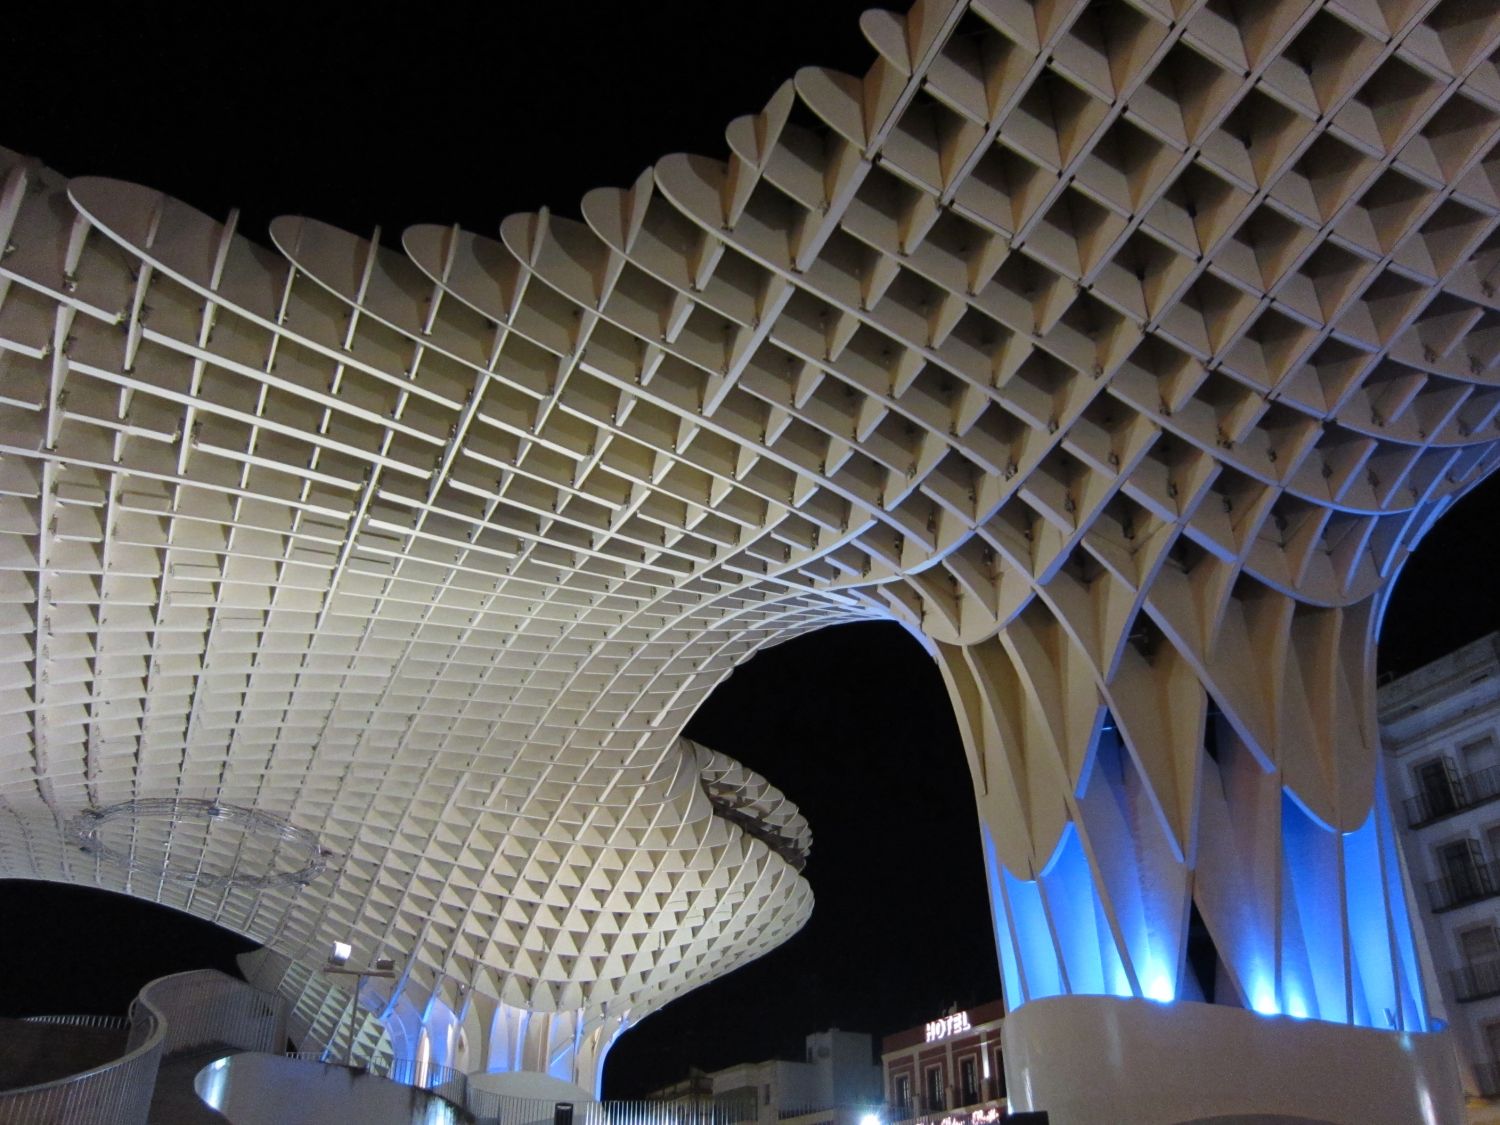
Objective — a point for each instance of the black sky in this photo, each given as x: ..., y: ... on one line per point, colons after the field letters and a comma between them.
x: 467, y: 113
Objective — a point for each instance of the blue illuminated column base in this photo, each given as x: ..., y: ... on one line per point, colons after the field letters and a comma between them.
x: 1201, y: 911
x: 1090, y: 1059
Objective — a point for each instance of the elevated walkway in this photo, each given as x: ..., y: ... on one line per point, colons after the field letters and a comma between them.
x: 202, y: 1048
x: 37, y: 1051
x: 138, y: 1070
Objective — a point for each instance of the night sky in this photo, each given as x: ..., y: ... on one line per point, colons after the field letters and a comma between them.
x: 467, y: 115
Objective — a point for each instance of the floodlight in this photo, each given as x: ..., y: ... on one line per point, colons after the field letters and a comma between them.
x: 384, y: 964
x: 340, y: 953
x: 870, y: 1119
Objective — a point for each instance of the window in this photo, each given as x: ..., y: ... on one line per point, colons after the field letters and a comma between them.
x: 999, y: 1073
x: 901, y: 1092
x: 1479, y: 944
x: 1463, y: 866
x: 1481, y: 770
x: 1463, y: 877
x: 1479, y: 754
x: 968, y: 1080
x: 1437, y: 787
x: 933, y: 1076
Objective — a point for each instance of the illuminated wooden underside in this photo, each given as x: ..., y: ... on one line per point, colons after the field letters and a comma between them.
x: 1119, y: 350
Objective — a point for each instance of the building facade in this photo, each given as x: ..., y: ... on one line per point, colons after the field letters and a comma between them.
x: 950, y: 1066
x: 835, y: 1083
x: 1441, y: 729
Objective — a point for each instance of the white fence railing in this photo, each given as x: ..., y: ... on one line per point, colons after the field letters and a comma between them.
x: 207, y: 1008
x: 176, y: 1013
x: 497, y: 1109
x: 103, y: 1023
x: 117, y: 1093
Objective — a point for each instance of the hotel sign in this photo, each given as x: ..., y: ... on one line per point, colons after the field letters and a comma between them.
x: 948, y: 1025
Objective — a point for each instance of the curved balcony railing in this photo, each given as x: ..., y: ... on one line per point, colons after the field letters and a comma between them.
x: 207, y: 1008
x: 99, y: 1023
x: 746, y: 815
x: 173, y: 1014
x: 116, y: 1093
x: 491, y: 1108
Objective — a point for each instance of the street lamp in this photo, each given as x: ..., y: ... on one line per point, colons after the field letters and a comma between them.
x: 338, y: 960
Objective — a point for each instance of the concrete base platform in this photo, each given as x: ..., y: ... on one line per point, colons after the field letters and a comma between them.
x: 1087, y: 1059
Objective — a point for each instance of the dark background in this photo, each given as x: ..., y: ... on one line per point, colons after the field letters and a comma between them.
x: 466, y: 114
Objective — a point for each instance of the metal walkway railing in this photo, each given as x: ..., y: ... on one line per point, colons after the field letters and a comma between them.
x: 171, y: 1014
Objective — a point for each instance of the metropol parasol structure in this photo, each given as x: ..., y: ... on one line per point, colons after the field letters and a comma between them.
x: 1119, y: 350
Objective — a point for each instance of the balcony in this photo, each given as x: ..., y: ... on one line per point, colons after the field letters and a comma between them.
x: 1464, y: 885
x: 1476, y: 980
x: 912, y: 1110
x: 1462, y: 791
x: 960, y: 1101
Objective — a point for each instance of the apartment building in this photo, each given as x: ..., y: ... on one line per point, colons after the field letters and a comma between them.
x: 1441, y: 730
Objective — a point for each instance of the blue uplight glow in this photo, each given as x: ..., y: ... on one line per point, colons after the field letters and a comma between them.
x: 1412, y: 1008
x: 1329, y: 938
x: 1010, y: 973
x: 1038, y: 956
x: 1088, y: 949
x: 1263, y: 994
x: 1158, y: 985
x: 1296, y: 1006
x: 1147, y: 886
x: 1312, y: 941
